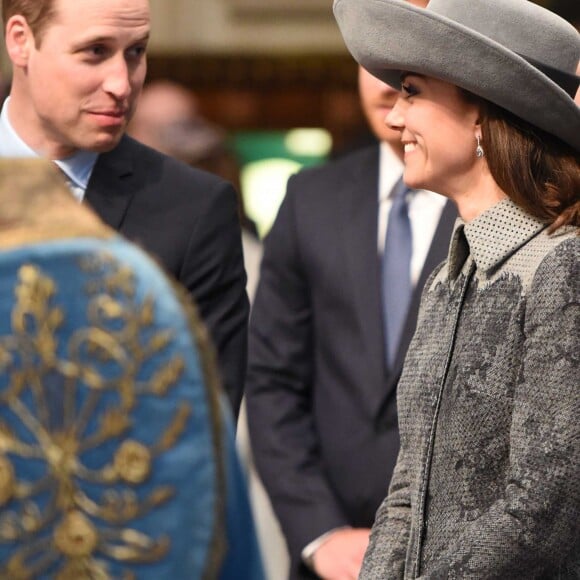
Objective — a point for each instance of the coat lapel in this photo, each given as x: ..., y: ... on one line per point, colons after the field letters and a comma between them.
x: 359, y: 199
x: 110, y: 188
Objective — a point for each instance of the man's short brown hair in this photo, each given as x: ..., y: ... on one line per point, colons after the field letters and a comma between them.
x: 38, y: 14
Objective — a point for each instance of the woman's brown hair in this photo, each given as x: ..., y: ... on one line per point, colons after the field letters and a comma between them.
x: 537, y: 171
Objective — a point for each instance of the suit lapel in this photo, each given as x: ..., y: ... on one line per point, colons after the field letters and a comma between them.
x: 437, y: 253
x: 110, y: 188
x: 359, y: 199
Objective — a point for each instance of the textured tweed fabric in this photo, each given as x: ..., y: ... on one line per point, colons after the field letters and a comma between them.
x: 487, y: 483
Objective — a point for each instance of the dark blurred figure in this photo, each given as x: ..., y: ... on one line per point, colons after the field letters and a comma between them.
x: 570, y: 10
x: 168, y: 119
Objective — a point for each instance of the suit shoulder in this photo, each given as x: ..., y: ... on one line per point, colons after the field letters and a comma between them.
x: 169, y: 169
x: 323, y: 181
x: 339, y: 168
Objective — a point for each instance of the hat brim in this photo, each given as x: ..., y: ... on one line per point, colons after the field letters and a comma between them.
x: 388, y: 37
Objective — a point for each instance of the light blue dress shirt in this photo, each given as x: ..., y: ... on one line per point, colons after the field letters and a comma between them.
x: 77, y: 168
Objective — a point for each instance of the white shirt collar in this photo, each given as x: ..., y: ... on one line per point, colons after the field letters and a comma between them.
x: 11, y: 145
x: 390, y: 170
x: 425, y: 208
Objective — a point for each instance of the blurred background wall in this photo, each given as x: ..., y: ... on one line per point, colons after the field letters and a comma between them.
x: 244, y: 26
x: 254, y: 64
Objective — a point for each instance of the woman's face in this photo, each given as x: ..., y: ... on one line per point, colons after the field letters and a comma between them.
x: 438, y: 128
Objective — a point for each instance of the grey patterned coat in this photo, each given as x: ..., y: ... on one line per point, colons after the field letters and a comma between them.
x: 487, y: 482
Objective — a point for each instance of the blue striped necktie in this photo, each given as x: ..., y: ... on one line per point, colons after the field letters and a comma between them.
x: 396, y: 277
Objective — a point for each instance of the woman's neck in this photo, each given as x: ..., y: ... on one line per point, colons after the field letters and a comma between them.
x: 475, y: 197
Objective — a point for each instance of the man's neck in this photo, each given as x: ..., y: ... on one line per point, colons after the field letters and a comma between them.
x: 27, y: 129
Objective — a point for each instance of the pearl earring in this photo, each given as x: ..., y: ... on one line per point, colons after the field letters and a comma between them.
x: 479, y: 152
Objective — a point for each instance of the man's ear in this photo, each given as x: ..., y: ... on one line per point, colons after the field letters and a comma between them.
x: 19, y: 40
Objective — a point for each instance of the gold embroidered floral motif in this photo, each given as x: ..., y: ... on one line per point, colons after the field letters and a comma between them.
x: 76, y: 536
x: 6, y: 480
x: 105, y: 356
x: 132, y: 462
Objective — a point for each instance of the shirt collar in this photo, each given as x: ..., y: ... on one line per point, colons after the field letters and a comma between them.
x: 493, y: 236
x: 11, y: 145
x: 390, y: 170
x: 77, y: 167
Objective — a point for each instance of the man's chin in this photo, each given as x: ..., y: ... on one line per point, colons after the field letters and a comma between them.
x: 105, y: 143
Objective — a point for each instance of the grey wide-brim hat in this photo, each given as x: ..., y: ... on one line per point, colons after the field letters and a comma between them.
x: 513, y: 53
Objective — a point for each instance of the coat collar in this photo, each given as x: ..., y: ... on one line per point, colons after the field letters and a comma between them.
x: 492, y: 237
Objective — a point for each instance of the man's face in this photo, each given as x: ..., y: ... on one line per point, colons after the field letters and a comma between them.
x: 377, y: 99
x: 79, y: 88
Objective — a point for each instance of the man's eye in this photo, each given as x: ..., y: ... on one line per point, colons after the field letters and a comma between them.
x: 97, y: 50
x: 137, y: 51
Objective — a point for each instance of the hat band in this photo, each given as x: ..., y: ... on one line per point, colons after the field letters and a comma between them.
x: 566, y: 81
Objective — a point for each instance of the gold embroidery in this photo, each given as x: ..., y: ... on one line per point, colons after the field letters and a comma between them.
x: 6, y: 480
x: 76, y: 536
x: 132, y: 462
x: 107, y: 355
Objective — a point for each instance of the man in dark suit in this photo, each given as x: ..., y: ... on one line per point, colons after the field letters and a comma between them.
x: 76, y: 78
x: 321, y: 395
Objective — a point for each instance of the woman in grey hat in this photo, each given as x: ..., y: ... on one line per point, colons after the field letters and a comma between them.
x: 487, y: 483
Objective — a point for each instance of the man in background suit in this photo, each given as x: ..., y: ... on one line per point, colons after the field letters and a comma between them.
x: 77, y: 73
x: 321, y: 397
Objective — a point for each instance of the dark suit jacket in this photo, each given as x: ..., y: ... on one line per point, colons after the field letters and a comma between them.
x: 321, y: 402
x: 188, y: 220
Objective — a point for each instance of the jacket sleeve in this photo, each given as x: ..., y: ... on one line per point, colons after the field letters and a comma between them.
x: 386, y: 554
x: 533, y: 530
x: 213, y: 272
x: 279, y: 388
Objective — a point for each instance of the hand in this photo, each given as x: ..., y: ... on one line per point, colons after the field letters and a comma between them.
x: 341, y: 555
